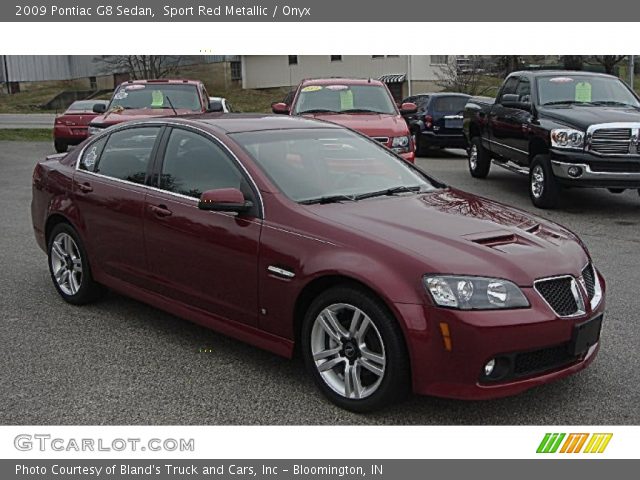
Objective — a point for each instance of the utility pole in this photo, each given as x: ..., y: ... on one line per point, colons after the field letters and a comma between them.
x: 631, y: 70
x: 409, y: 75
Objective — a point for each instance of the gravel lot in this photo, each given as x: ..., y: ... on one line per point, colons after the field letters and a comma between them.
x: 122, y: 362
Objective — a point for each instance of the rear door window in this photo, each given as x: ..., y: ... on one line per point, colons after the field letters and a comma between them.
x: 127, y: 153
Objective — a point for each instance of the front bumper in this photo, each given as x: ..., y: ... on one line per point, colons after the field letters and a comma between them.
x: 409, y: 156
x: 596, y: 171
x: 478, y: 336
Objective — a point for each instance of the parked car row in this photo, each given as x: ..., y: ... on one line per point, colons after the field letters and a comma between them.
x: 294, y: 233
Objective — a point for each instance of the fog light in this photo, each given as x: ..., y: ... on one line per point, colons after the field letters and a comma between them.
x: 488, y: 368
x: 575, y: 172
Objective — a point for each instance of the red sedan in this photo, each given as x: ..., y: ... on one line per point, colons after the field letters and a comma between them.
x: 281, y: 231
x: 72, y: 127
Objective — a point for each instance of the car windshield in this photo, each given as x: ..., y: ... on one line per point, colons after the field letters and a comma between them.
x: 322, y: 165
x: 584, y: 90
x: 156, y: 96
x: 344, y: 99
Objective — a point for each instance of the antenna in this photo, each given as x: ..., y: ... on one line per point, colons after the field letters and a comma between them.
x: 175, y: 113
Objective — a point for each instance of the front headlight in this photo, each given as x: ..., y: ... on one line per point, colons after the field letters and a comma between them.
x: 400, y: 144
x: 474, y: 293
x: 95, y: 130
x: 567, y: 138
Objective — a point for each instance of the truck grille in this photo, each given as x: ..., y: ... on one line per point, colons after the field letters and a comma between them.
x: 614, y: 139
x: 561, y: 293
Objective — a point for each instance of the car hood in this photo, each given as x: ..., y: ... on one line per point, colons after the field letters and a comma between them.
x: 583, y: 117
x: 373, y: 125
x: 116, y: 117
x: 458, y: 233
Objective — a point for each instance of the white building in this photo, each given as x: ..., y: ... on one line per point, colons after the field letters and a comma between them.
x: 268, y: 71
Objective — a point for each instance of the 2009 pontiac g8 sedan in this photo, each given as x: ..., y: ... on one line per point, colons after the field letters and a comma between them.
x: 284, y: 231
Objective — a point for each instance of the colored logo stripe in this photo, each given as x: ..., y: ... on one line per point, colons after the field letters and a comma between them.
x: 595, y: 443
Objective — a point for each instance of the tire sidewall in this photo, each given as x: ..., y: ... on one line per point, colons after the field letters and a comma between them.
x: 483, y: 164
x: 395, y: 382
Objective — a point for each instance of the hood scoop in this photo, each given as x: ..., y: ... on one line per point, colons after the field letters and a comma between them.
x: 502, y: 240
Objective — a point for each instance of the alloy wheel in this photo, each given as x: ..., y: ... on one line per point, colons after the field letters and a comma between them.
x: 348, y: 351
x: 66, y: 263
x: 473, y: 157
x: 537, y: 181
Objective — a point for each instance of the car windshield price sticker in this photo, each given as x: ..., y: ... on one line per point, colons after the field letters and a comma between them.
x: 583, y: 92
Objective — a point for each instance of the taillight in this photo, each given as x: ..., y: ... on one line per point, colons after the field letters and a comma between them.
x: 428, y: 121
x: 59, y: 121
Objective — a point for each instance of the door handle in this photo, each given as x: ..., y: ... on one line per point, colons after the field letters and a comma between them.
x: 160, y: 210
x: 85, y: 187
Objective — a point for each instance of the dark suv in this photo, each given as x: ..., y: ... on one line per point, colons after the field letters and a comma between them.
x: 438, y: 121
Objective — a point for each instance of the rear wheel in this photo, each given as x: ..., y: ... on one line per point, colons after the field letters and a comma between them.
x: 354, y: 349
x: 60, y: 146
x: 543, y: 187
x: 479, y: 159
x: 69, y: 266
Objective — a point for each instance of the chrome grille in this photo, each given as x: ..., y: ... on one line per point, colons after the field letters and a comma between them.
x: 384, y: 140
x: 562, y: 295
x: 611, y: 141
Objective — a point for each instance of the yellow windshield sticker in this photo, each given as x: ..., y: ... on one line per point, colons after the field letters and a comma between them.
x: 583, y: 92
x: 346, y: 100
x: 312, y: 88
x: 157, y: 99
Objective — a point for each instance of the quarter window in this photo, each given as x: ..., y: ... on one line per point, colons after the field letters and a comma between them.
x: 194, y: 164
x: 126, y: 154
x: 91, y: 155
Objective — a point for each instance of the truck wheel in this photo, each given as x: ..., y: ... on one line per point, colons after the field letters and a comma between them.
x: 60, y: 146
x: 479, y: 159
x: 543, y: 187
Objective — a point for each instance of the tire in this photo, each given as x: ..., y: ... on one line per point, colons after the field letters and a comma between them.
x: 543, y: 187
x: 374, y: 344
x: 60, y: 146
x: 422, y: 146
x: 69, y: 266
x: 479, y: 159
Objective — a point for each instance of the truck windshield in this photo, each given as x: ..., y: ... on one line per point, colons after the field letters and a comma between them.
x: 154, y: 96
x: 322, y: 165
x: 344, y: 99
x: 584, y: 90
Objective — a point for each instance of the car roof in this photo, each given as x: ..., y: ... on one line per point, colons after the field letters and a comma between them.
x: 545, y: 73
x: 441, y: 94
x: 341, y: 80
x: 246, y: 122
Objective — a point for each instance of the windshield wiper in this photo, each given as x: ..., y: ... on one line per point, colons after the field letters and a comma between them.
x: 359, y: 110
x: 565, y: 102
x: 613, y: 103
x: 317, y: 110
x: 389, y: 192
x: 328, y: 199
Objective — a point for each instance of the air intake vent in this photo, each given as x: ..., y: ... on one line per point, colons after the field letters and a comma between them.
x: 562, y: 295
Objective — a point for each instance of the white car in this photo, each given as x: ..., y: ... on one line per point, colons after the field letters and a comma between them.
x: 226, y: 106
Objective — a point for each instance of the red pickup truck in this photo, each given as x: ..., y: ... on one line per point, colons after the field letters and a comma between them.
x: 138, y: 99
x: 364, y: 105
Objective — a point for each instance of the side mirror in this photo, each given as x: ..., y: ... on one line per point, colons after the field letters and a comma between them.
x: 224, y: 200
x: 215, y: 106
x: 280, y: 107
x: 512, y: 100
x: 408, y: 107
x: 99, y: 108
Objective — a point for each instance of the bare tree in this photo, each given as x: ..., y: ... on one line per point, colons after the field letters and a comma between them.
x: 141, y: 66
x: 609, y: 62
x: 573, y: 62
x: 509, y: 63
x: 460, y: 77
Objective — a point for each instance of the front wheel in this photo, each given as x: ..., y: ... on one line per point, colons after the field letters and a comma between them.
x: 69, y: 266
x: 479, y: 159
x: 543, y: 187
x: 354, y: 349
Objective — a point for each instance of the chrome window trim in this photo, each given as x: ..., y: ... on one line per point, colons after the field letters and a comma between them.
x: 575, y: 289
x: 165, y: 123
